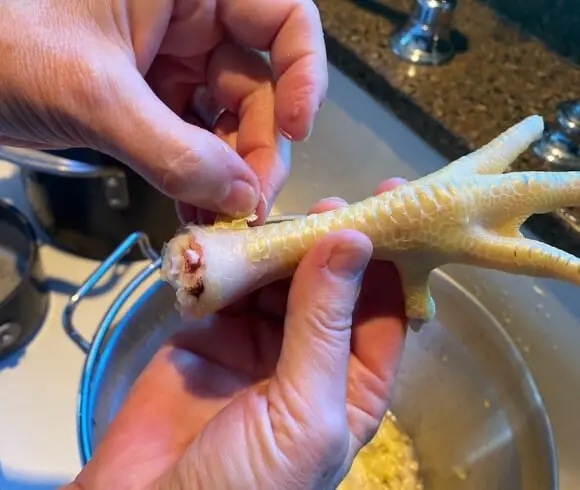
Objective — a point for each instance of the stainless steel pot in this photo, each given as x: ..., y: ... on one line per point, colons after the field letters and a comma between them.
x: 463, y: 393
x: 87, y: 202
x: 24, y: 298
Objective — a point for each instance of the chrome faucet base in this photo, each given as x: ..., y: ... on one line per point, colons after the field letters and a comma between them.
x: 414, y: 46
x: 426, y: 37
x: 560, y: 147
x: 558, y: 151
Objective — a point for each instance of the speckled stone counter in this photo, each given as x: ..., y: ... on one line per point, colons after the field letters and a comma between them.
x: 499, y: 76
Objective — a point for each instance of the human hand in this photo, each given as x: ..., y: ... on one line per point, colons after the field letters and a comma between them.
x: 118, y: 76
x: 276, y: 392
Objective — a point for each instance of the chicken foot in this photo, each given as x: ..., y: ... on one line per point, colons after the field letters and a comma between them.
x: 468, y: 212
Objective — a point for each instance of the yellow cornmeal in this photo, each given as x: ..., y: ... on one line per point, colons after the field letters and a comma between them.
x: 387, y: 462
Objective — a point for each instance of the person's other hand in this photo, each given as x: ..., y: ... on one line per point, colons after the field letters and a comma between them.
x: 278, y: 391
x: 118, y: 76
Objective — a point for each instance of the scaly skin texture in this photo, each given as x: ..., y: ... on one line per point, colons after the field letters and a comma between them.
x: 468, y: 212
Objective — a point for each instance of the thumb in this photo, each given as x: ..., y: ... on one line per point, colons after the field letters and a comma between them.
x: 184, y: 161
x: 316, y: 347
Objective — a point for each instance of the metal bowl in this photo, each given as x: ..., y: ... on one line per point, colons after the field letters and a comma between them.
x: 463, y: 393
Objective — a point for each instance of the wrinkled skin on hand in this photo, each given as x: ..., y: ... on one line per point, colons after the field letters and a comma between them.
x: 118, y: 75
x: 281, y: 392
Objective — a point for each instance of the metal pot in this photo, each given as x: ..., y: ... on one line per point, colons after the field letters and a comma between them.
x: 23, y: 292
x: 88, y: 202
x: 463, y: 393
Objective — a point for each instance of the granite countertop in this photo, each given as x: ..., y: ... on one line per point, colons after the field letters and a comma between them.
x: 499, y: 76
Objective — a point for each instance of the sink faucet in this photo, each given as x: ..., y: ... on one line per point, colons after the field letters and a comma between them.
x: 426, y: 37
x: 559, y: 147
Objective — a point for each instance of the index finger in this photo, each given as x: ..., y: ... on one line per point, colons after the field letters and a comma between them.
x: 292, y: 31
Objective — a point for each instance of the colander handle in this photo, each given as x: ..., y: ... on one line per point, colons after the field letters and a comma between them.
x: 137, y: 238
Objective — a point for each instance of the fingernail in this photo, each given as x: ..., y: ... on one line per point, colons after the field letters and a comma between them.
x: 239, y: 199
x: 263, y: 199
x: 264, y: 203
x: 348, y: 262
x: 333, y: 199
x: 186, y: 213
x: 285, y: 134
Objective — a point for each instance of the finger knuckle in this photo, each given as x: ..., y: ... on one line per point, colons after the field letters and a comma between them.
x: 178, y: 171
x: 331, y: 314
x: 307, y: 88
